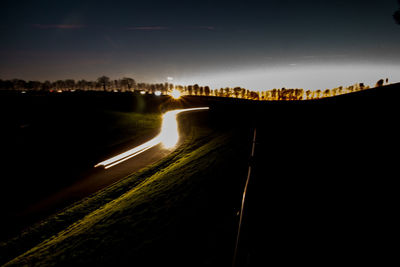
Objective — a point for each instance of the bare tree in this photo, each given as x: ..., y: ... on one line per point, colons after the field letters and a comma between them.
x: 59, y: 85
x: 18, y: 84
x: 82, y: 84
x: 69, y: 84
x: 104, y: 81
x: 46, y: 86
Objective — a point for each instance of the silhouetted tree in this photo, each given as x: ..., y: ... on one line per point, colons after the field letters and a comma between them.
x: 91, y: 85
x: 164, y: 88
x: 6, y: 85
x: 254, y: 95
x: 129, y: 82
x: 190, y: 89
x: 299, y: 94
x: 18, y: 84
x: 82, y: 84
x: 221, y: 92
x: 236, y: 91
x: 243, y: 93
x: 46, y: 86
x: 308, y: 93
x: 33, y: 85
x: 207, y: 90
x: 274, y: 94
x: 379, y: 83
x: 350, y: 88
x: 227, y: 92
x: 59, y: 85
x: 104, y: 81
x: 153, y: 88
x: 263, y: 95
x: 196, y: 89
x: 69, y: 84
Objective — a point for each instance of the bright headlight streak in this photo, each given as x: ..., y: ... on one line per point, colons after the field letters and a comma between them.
x: 168, y: 136
x: 129, y: 157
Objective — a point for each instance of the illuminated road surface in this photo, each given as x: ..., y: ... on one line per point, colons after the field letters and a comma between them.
x: 168, y: 137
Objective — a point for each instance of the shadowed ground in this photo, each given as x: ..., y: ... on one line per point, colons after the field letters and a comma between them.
x: 322, y: 192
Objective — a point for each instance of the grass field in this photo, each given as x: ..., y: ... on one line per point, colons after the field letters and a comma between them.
x: 153, y: 212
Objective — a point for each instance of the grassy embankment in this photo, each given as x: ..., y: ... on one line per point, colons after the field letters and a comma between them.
x: 55, y: 149
x: 126, y: 126
x: 167, y: 212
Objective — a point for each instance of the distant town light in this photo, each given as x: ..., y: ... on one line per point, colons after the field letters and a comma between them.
x: 157, y: 93
x: 142, y: 92
x: 176, y: 94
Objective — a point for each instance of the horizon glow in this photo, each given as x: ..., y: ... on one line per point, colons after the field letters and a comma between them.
x: 297, y: 76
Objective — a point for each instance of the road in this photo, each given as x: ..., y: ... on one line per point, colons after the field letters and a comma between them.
x: 114, y: 169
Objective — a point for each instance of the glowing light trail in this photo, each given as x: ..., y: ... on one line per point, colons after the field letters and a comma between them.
x: 168, y: 136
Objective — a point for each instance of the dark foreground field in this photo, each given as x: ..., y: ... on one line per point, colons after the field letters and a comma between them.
x: 321, y: 192
x: 50, y: 141
x: 323, y: 186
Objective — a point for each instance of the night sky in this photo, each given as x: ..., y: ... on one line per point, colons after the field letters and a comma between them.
x: 314, y: 44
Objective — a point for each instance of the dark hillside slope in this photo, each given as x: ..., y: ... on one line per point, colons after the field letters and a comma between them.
x: 323, y: 186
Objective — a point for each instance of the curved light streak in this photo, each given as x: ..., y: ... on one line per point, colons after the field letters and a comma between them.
x: 168, y: 136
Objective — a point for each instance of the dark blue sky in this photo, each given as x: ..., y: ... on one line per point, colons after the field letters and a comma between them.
x: 255, y: 44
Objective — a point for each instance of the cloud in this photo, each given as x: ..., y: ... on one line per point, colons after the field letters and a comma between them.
x: 163, y: 28
x: 59, y: 26
x: 325, y: 56
x: 210, y: 28
x: 148, y: 28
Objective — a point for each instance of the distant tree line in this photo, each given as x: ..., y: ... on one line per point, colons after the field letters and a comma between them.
x: 102, y: 83
x: 127, y: 84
